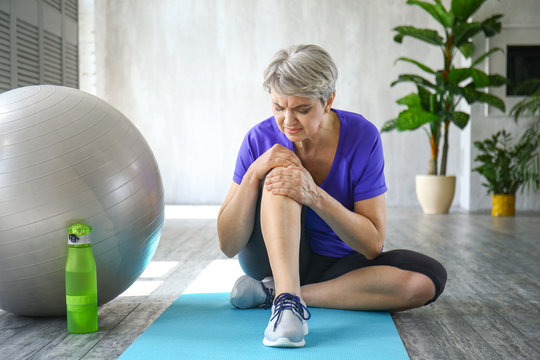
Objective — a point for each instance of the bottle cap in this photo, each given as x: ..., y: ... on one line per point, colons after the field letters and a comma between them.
x: 79, y: 234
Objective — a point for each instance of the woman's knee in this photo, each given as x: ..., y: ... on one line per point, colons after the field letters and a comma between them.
x: 414, y: 289
x: 278, y: 202
x: 421, y: 289
x: 430, y: 270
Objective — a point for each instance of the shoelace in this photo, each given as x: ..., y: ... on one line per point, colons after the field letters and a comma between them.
x: 270, y: 293
x: 287, y: 301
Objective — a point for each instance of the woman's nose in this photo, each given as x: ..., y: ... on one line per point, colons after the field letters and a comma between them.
x: 289, y: 118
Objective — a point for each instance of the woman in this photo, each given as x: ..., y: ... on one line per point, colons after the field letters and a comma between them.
x: 306, y: 210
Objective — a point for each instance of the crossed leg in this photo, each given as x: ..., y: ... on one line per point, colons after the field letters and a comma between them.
x: 379, y: 287
x: 371, y: 288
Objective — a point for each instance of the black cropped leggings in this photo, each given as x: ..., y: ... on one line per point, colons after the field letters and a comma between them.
x: 316, y: 268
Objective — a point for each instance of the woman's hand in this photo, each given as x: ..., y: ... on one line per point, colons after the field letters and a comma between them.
x: 277, y: 155
x: 295, y: 182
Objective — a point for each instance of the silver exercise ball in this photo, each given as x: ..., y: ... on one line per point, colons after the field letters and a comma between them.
x: 68, y: 157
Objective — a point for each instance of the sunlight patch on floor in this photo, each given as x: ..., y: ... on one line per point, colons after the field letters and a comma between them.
x: 218, y: 276
x: 141, y: 288
x: 191, y: 212
x: 158, y: 269
x: 152, y: 278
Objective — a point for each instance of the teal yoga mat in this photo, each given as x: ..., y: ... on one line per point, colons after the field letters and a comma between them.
x: 206, y: 326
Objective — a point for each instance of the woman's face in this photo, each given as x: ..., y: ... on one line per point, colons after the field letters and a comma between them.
x: 299, y: 118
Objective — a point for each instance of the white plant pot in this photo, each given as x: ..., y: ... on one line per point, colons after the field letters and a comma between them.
x: 435, y: 193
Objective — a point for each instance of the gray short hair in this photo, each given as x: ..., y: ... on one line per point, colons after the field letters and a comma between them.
x: 302, y: 70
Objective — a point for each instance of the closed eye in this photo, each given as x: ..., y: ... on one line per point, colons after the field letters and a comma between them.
x: 301, y: 110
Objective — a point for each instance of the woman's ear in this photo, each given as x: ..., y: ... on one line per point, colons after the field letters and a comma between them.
x: 329, y: 102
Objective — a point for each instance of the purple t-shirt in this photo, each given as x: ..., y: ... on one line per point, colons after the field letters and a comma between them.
x: 357, y: 172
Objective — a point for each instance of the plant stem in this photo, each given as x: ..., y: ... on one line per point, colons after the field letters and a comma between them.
x: 448, y: 105
x: 445, y: 148
x: 432, y: 168
x: 448, y: 57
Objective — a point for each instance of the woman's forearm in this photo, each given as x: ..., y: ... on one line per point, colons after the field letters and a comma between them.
x: 237, y: 215
x: 357, y: 231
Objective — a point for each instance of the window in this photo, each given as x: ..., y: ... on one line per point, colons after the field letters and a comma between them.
x: 523, y: 63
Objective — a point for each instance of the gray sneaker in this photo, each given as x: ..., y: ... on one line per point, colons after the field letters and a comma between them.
x: 248, y: 293
x: 288, y: 323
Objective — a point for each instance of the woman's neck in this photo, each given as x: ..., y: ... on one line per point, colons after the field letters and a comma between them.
x: 326, y: 136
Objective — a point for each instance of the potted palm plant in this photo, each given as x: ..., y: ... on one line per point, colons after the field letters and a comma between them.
x: 506, y: 165
x: 433, y: 106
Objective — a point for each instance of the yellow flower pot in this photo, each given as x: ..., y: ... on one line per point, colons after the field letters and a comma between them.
x: 503, y: 205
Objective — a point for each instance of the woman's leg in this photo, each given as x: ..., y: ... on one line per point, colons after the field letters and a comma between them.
x: 395, y: 280
x: 254, y: 257
x: 277, y: 242
x: 281, y: 230
x: 372, y: 288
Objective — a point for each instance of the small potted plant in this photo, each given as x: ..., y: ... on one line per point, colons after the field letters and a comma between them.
x: 506, y: 165
x: 433, y: 106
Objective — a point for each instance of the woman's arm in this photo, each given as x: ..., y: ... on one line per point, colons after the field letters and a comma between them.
x: 236, y: 216
x: 362, y: 229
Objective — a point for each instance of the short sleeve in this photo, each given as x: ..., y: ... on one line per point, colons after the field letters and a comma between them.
x: 244, y: 159
x: 371, y: 181
x: 258, y: 139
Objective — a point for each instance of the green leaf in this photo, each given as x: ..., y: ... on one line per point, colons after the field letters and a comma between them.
x: 481, y: 58
x: 529, y: 106
x: 437, y: 11
x: 434, y: 104
x: 389, y: 125
x: 480, y: 78
x: 484, y: 158
x: 445, y: 15
x: 420, y: 65
x: 472, y: 96
x: 415, y: 79
x: 414, y: 118
x: 492, y: 26
x: 427, y: 35
x: 467, y: 49
x: 460, y: 119
x: 455, y: 76
x: 428, y: 100
x: 497, y: 80
x: 463, y: 9
x: 425, y: 98
x: 411, y: 100
x: 439, y: 79
x: 465, y: 31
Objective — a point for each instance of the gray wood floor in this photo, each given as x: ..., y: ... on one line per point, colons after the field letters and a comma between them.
x: 489, y: 310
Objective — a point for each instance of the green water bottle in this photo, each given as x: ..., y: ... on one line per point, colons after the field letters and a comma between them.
x: 81, y: 281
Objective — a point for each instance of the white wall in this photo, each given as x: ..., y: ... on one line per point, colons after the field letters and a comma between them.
x: 188, y: 74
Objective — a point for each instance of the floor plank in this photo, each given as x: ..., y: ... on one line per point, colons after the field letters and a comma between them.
x: 421, y: 342
x: 457, y: 337
x: 498, y: 332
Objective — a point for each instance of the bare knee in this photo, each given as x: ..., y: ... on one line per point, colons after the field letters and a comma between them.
x: 268, y: 198
x: 418, y: 289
